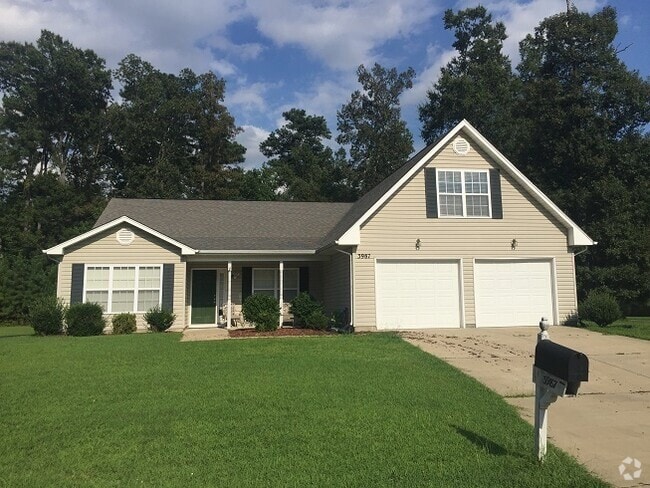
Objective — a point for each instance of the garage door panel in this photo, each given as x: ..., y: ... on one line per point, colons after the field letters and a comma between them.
x: 512, y: 293
x: 417, y: 294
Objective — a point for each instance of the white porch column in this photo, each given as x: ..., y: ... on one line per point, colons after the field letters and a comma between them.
x: 229, y: 306
x: 281, y: 288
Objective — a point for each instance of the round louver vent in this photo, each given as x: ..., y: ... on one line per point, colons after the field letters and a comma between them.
x: 461, y: 146
x: 125, y: 236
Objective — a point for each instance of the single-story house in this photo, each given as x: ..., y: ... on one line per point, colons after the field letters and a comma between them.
x: 456, y: 237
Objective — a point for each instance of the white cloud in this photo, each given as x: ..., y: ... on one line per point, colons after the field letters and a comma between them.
x: 249, y: 97
x: 223, y: 67
x: 521, y: 19
x: 343, y: 34
x: 162, y: 32
x: 250, y: 138
x: 437, y: 59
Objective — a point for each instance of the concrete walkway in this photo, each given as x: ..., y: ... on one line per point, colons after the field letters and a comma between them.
x: 207, y: 334
x: 606, y: 423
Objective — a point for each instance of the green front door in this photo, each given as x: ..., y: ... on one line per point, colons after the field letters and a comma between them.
x: 204, y: 296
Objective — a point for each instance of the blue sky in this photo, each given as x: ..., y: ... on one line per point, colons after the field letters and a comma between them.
x: 279, y: 54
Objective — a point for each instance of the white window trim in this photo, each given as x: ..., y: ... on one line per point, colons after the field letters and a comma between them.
x: 464, y: 194
x: 110, y: 288
x: 276, y: 285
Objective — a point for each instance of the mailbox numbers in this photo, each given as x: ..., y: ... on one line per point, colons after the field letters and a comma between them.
x: 550, y: 382
x: 364, y: 256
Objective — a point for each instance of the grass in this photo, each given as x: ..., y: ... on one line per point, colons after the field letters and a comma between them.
x: 637, y: 327
x: 147, y: 410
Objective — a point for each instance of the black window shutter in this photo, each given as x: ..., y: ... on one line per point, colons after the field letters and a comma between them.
x: 77, y: 284
x: 495, y: 191
x: 431, y: 192
x: 246, y: 283
x: 304, y: 279
x: 168, y: 287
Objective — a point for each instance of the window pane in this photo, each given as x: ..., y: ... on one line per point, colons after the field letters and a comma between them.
x: 100, y: 297
x: 476, y: 182
x: 263, y: 279
x: 451, y: 205
x: 148, y: 299
x: 477, y: 206
x: 97, y: 277
x: 149, y: 277
x: 290, y: 279
x: 449, y: 182
x: 122, y: 301
x: 123, y: 277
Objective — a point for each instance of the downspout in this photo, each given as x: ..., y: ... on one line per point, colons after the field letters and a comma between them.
x: 351, y: 278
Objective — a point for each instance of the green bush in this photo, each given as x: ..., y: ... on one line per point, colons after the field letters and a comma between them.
x: 318, y: 320
x: 263, y: 311
x: 124, y: 323
x: 159, y: 319
x: 85, y: 319
x: 599, y: 307
x: 46, y: 316
x: 302, y: 307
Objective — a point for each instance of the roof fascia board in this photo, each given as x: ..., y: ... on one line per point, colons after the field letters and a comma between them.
x: 59, y: 249
x: 576, y: 236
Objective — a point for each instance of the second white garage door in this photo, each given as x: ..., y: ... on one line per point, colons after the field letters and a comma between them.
x: 417, y: 294
x: 513, y: 292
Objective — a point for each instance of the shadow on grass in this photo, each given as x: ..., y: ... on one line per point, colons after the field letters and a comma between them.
x: 484, y: 443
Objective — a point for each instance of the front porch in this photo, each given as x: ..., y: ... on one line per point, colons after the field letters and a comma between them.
x: 215, y: 290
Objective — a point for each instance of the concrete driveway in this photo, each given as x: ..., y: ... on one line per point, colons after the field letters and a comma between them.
x: 606, y: 423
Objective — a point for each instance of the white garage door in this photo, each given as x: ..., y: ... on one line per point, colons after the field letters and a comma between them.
x: 512, y: 293
x: 417, y: 294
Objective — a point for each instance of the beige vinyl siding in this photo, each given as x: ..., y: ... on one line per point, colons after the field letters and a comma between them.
x: 336, y: 283
x: 145, y: 249
x: 395, y: 227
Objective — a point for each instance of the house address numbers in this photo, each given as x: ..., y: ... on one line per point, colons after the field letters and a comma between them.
x: 364, y: 256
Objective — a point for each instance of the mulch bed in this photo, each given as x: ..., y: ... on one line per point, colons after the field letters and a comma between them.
x: 284, y: 332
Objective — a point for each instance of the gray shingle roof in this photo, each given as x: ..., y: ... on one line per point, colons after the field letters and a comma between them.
x: 243, y: 225
x: 233, y: 225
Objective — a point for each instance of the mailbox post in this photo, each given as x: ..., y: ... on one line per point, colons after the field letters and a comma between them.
x: 557, y: 371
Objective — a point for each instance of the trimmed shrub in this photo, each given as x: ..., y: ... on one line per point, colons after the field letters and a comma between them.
x: 124, y: 323
x: 599, y: 307
x: 302, y: 307
x: 263, y: 311
x: 85, y: 319
x: 46, y: 316
x: 318, y: 320
x: 159, y: 319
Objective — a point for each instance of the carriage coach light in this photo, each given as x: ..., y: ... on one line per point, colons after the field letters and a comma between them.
x: 418, y: 242
x: 513, y: 244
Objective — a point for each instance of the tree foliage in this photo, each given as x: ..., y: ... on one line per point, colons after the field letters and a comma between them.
x: 300, y: 163
x: 371, y: 125
x: 173, y: 136
x: 477, y: 84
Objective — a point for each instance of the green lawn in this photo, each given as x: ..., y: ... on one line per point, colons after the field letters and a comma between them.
x: 637, y: 327
x: 357, y: 411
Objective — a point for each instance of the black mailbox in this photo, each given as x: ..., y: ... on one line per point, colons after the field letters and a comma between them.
x: 567, y: 364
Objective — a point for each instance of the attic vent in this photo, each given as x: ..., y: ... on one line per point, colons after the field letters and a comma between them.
x: 461, y: 146
x: 125, y: 236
